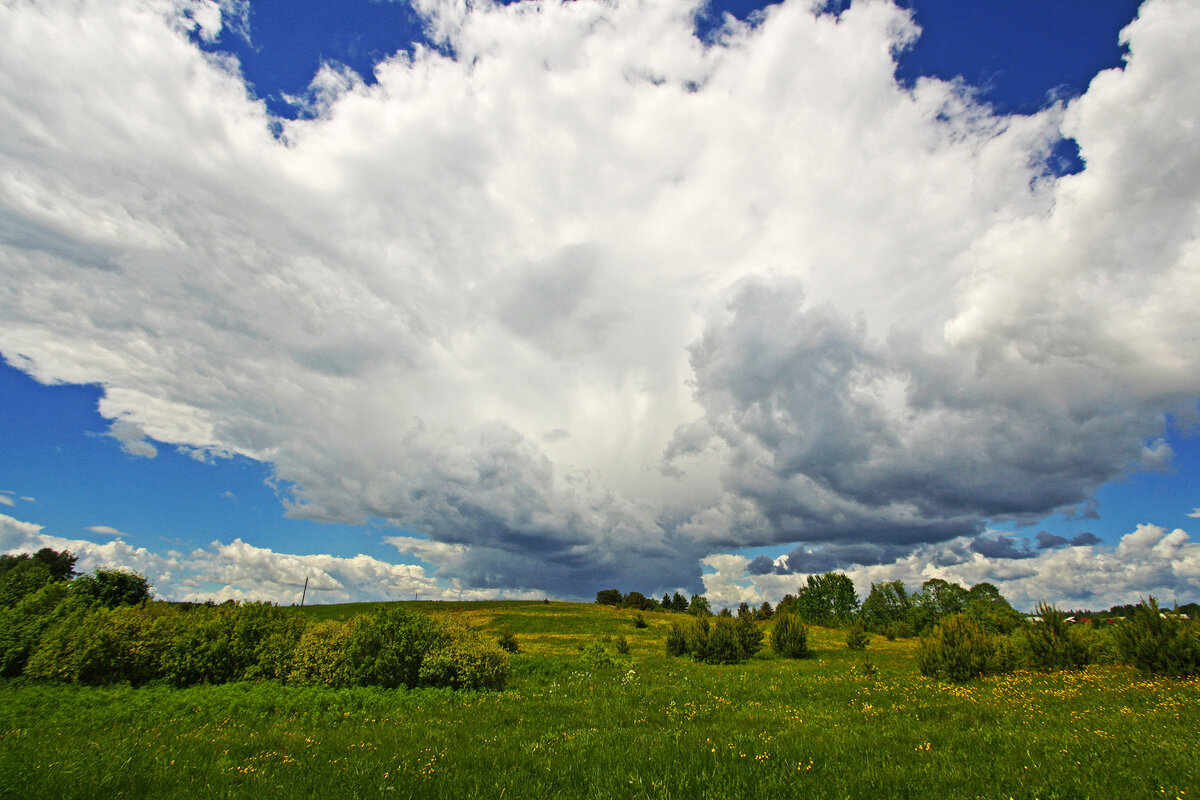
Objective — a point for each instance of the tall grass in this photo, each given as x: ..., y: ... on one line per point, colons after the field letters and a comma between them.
x: 643, y: 726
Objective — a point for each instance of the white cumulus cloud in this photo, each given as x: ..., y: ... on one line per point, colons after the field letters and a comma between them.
x: 589, y: 300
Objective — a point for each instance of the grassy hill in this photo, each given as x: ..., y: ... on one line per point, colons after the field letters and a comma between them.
x: 580, y: 720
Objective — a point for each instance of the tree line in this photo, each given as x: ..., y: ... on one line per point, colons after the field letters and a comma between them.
x: 965, y: 631
x: 830, y: 600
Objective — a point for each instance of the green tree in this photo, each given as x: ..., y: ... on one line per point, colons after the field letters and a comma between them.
x: 724, y: 644
x: 1052, y: 643
x: 111, y: 588
x: 609, y: 597
x: 639, y: 601
x: 749, y: 634
x: 826, y: 599
x: 856, y: 635
x: 991, y: 611
x: 698, y: 606
x: 677, y: 640
x: 887, y: 605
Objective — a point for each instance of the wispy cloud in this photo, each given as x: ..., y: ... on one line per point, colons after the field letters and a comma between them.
x: 106, y: 530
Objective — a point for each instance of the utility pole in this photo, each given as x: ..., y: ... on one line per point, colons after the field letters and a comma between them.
x: 304, y: 593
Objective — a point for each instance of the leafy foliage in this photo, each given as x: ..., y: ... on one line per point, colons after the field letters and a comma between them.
x: 698, y: 606
x: 957, y: 650
x: 386, y: 648
x: 1052, y: 642
x: 856, y: 635
x: 609, y: 597
x: 320, y: 655
x: 677, y: 640
x: 1159, y: 644
x: 789, y: 637
x: 507, y: 641
x: 826, y: 600
x: 887, y: 605
x: 111, y: 588
x: 464, y: 660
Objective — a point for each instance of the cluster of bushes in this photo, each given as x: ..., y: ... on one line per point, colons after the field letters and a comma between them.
x: 723, y: 639
x: 103, y: 628
x: 1159, y: 644
x: 959, y: 648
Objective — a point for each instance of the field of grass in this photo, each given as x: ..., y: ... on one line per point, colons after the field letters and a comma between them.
x: 644, y: 726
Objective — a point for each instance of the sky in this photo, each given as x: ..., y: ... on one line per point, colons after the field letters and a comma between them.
x: 468, y: 300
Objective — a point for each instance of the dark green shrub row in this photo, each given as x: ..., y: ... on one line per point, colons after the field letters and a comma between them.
x: 715, y: 640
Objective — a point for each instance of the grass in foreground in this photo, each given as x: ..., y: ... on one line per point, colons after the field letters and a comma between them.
x: 646, y: 726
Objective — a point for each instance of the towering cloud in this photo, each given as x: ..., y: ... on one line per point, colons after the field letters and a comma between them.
x: 586, y: 299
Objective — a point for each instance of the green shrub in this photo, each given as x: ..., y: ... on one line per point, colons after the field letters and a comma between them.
x: 789, y: 637
x: 1158, y: 645
x: 856, y: 635
x: 201, y: 648
x: 1009, y: 653
x: 1052, y: 642
x: 864, y: 668
x: 1101, y: 643
x: 677, y: 640
x: 22, y: 626
x: 724, y: 645
x: 55, y: 656
x: 112, y: 587
x: 273, y: 642
x: 102, y: 645
x: 596, y: 655
x: 386, y: 648
x: 319, y: 658
x: 697, y: 637
x: 622, y: 645
x: 465, y: 661
x: 23, y: 577
x: 750, y: 636
x: 507, y: 642
x: 957, y: 650
x: 639, y: 621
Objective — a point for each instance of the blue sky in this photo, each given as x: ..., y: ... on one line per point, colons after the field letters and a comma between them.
x: 401, y: 326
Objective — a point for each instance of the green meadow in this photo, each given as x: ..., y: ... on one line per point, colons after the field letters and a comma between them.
x: 579, y: 719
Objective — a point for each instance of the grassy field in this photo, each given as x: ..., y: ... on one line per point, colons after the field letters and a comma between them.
x: 643, y: 726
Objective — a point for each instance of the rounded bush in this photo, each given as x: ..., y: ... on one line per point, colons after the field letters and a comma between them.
x: 1158, y: 644
x: 319, y: 658
x: 856, y: 635
x: 465, y: 662
x: 386, y: 648
x: 789, y: 637
x: 677, y: 640
x: 1052, y: 642
x: 957, y: 650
